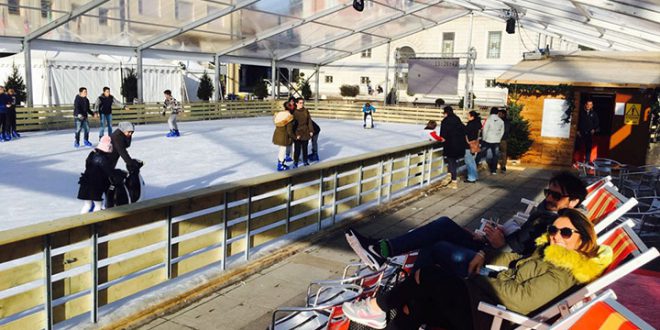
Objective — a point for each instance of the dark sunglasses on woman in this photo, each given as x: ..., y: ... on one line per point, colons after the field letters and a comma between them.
x: 565, y: 232
x: 555, y: 195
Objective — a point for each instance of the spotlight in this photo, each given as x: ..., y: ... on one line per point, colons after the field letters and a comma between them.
x: 358, y: 5
x: 511, y: 25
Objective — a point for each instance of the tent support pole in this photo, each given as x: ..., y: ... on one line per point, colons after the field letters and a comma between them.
x: 316, y: 94
x: 273, y: 78
x: 218, y: 85
x: 140, y: 80
x: 29, y: 99
x: 467, y: 99
x: 387, y: 73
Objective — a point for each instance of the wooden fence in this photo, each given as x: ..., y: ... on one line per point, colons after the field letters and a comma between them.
x: 76, y: 266
x: 61, y: 117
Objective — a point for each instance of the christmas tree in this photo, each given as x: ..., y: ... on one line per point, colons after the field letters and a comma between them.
x: 519, y: 141
x: 15, y: 82
x: 205, y: 89
x: 129, y: 86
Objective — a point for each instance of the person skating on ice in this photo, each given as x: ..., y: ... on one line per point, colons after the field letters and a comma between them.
x: 283, y: 135
x: 11, y: 114
x: 81, y: 110
x: 304, y: 130
x: 121, y: 141
x: 314, y: 156
x: 368, y: 110
x: 172, y: 106
x: 103, y: 106
x: 5, y: 104
x: 291, y: 106
x: 94, y: 182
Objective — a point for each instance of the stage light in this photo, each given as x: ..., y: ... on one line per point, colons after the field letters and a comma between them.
x: 358, y: 5
x: 511, y: 25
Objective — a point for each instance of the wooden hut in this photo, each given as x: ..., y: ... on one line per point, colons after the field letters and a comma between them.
x: 623, y: 87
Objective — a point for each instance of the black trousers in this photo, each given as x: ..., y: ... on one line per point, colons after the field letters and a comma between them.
x: 588, y: 144
x: 4, y: 124
x: 298, y: 147
x: 11, y: 113
x: 452, y: 166
x: 440, y: 300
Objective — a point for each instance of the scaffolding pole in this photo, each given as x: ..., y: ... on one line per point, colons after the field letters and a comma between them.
x: 218, y: 85
x: 467, y: 98
x: 273, y: 77
x: 316, y: 94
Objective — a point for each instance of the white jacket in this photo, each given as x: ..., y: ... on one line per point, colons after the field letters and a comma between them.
x: 493, y: 129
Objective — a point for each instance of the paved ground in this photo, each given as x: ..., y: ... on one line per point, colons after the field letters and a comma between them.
x: 249, y: 305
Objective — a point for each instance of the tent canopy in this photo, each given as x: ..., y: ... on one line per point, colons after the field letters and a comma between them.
x: 303, y: 32
x: 596, y: 69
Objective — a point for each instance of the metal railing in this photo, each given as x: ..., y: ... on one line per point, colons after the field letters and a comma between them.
x: 72, y: 267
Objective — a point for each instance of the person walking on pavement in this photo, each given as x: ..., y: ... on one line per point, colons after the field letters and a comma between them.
x: 103, y: 106
x: 492, y: 135
x: 452, y: 131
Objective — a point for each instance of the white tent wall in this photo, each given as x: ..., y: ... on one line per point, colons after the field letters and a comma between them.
x: 39, y: 75
x: 67, y: 77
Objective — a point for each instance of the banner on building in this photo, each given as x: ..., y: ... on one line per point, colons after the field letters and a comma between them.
x: 433, y: 76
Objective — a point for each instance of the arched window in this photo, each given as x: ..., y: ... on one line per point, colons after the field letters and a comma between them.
x: 404, y: 54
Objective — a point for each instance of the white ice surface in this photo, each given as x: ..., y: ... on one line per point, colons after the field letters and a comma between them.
x: 39, y: 172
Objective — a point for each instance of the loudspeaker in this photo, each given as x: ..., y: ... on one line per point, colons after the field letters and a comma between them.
x: 511, y: 26
x: 358, y: 5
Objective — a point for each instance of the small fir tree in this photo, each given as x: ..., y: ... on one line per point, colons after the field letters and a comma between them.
x: 129, y: 86
x: 15, y: 81
x: 260, y: 90
x: 306, y: 90
x: 205, y: 89
x: 519, y: 141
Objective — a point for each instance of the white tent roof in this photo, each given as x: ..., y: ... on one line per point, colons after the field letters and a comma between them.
x: 304, y: 32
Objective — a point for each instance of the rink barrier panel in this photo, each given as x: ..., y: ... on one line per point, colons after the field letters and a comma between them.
x: 61, y: 117
x: 72, y: 267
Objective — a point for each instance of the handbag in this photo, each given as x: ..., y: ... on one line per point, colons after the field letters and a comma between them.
x: 474, y: 146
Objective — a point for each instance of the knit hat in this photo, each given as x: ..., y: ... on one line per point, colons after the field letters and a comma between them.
x: 105, y: 144
x: 126, y: 126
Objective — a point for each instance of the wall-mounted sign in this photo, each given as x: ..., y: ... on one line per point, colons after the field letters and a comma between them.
x: 633, y: 113
x: 619, y: 109
x: 554, y: 111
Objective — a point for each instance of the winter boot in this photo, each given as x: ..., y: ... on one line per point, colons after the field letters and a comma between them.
x: 314, y: 157
x: 306, y: 164
x: 288, y: 158
x: 87, y: 143
x: 281, y: 166
x: 176, y: 132
x: 76, y: 144
x: 15, y: 135
x: 170, y: 134
x: 7, y: 137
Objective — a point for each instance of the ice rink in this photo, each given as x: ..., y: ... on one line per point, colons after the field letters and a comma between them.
x: 39, y: 172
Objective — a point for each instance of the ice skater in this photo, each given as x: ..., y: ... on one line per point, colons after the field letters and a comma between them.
x: 96, y: 179
x: 291, y: 106
x: 368, y: 111
x: 80, y: 112
x: 174, y: 107
x: 304, y: 132
x: 314, y: 156
x: 121, y: 140
x: 11, y: 114
x: 283, y: 135
x: 5, y: 104
x: 103, y: 106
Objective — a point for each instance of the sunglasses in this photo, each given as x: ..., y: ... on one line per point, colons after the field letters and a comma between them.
x: 565, y: 232
x: 555, y: 195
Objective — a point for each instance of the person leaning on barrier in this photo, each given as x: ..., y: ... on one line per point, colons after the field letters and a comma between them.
x: 453, y: 131
x: 444, y: 242
x: 566, y: 255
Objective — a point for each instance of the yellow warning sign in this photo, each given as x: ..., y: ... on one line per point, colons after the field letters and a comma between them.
x: 633, y: 112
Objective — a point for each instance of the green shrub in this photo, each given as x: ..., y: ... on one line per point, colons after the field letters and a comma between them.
x: 519, y: 141
x: 349, y: 90
x: 205, y: 89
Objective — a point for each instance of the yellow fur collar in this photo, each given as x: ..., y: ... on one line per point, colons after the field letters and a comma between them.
x: 584, y: 269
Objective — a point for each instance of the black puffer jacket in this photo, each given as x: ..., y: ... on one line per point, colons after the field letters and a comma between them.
x: 453, y: 131
x: 120, y: 143
x: 96, y: 179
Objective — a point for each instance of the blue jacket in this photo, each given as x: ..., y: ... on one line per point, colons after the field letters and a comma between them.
x: 369, y: 109
x: 4, y: 100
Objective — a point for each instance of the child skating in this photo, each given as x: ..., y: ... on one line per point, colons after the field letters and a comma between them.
x: 174, y: 107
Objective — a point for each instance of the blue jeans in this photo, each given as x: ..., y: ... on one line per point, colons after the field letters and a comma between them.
x: 107, y: 119
x: 471, y: 165
x: 82, y: 125
x: 494, y: 149
x: 441, y: 242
